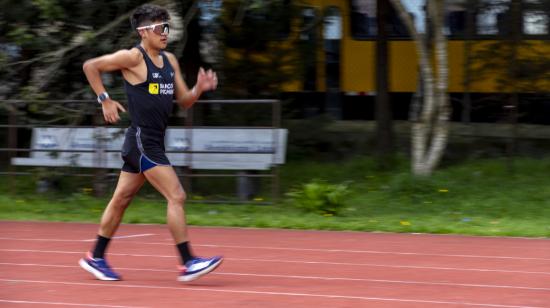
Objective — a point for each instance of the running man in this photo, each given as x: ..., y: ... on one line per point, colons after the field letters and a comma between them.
x: 151, y: 78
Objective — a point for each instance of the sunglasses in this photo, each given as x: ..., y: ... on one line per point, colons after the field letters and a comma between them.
x: 162, y: 28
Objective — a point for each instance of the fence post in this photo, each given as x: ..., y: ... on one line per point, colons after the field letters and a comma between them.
x: 188, y: 170
x: 99, y: 183
x: 12, y: 144
x: 276, y: 117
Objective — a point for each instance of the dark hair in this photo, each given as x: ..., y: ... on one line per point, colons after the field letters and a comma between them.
x: 148, y: 13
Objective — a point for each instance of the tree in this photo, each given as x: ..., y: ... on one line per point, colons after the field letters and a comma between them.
x: 259, y: 47
x: 384, y: 124
x: 430, y: 130
x: 46, y: 42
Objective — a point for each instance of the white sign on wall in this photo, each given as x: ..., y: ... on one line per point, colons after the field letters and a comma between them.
x: 235, y: 148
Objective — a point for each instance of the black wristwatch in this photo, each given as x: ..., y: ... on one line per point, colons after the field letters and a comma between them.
x: 102, y: 97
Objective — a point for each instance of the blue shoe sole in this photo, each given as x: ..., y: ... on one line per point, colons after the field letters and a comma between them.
x: 197, y: 275
x: 99, y: 275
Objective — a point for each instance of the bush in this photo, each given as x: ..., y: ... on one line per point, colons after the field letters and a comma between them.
x: 320, y: 197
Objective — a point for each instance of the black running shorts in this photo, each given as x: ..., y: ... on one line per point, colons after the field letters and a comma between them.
x: 143, y: 150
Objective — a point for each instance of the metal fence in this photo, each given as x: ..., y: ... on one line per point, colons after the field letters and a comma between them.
x: 15, y: 124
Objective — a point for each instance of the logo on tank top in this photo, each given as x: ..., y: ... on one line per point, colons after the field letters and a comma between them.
x: 161, y: 88
x: 154, y: 88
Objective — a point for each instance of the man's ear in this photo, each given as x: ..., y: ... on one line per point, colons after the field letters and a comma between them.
x: 141, y: 33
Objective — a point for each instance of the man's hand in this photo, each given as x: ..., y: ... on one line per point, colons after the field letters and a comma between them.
x: 206, y: 81
x: 110, y: 110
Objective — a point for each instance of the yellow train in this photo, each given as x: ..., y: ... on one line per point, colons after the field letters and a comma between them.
x: 495, y: 47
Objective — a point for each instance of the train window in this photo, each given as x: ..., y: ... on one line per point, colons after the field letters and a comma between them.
x: 309, y: 19
x: 363, y: 18
x: 535, y: 23
x: 455, y: 19
x: 493, y: 17
x: 417, y: 11
x: 332, y: 29
x: 308, y: 47
x: 397, y: 27
x: 536, y: 15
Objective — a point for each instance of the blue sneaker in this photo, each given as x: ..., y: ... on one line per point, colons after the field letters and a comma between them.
x: 98, y: 267
x: 198, y: 267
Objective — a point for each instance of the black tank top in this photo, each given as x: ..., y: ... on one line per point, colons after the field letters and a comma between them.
x: 150, y: 102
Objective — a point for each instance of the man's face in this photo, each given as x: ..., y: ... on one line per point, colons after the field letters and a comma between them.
x: 156, y: 33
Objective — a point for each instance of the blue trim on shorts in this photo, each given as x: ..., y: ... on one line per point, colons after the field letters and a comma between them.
x: 145, y: 163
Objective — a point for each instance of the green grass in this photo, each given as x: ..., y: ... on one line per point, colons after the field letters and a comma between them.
x: 478, y: 197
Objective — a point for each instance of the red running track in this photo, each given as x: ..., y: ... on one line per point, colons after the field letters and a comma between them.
x: 273, y: 268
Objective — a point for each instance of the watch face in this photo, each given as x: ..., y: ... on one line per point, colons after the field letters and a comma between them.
x: 103, y: 96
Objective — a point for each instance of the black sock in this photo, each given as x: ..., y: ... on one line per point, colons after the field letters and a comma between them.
x: 185, y: 251
x: 100, y: 246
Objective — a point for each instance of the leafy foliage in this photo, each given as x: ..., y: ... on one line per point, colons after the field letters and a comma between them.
x: 46, y: 43
x: 259, y: 44
x: 320, y: 197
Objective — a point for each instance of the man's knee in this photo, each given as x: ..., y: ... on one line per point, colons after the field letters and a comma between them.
x: 123, y: 199
x: 177, y: 197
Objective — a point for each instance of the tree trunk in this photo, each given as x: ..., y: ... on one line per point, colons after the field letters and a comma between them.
x: 470, y: 31
x: 430, y: 132
x: 384, y: 125
x: 441, y: 126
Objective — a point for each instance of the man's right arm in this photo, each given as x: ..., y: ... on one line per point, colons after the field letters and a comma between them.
x: 119, y: 60
x: 122, y: 59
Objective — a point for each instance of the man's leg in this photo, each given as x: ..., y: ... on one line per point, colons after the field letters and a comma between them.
x: 165, y: 180
x: 128, y: 185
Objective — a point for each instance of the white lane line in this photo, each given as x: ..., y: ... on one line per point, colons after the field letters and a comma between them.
x: 41, y: 239
x: 122, y: 236
x: 470, y: 285
x: 301, y: 249
x: 11, y: 301
x: 375, y: 252
x: 297, y: 261
x: 393, y: 266
x: 72, y: 240
x: 134, y: 235
x: 375, y: 233
x: 251, y: 292
x: 433, y: 283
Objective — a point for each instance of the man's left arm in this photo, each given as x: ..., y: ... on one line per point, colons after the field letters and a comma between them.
x: 206, y: 81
